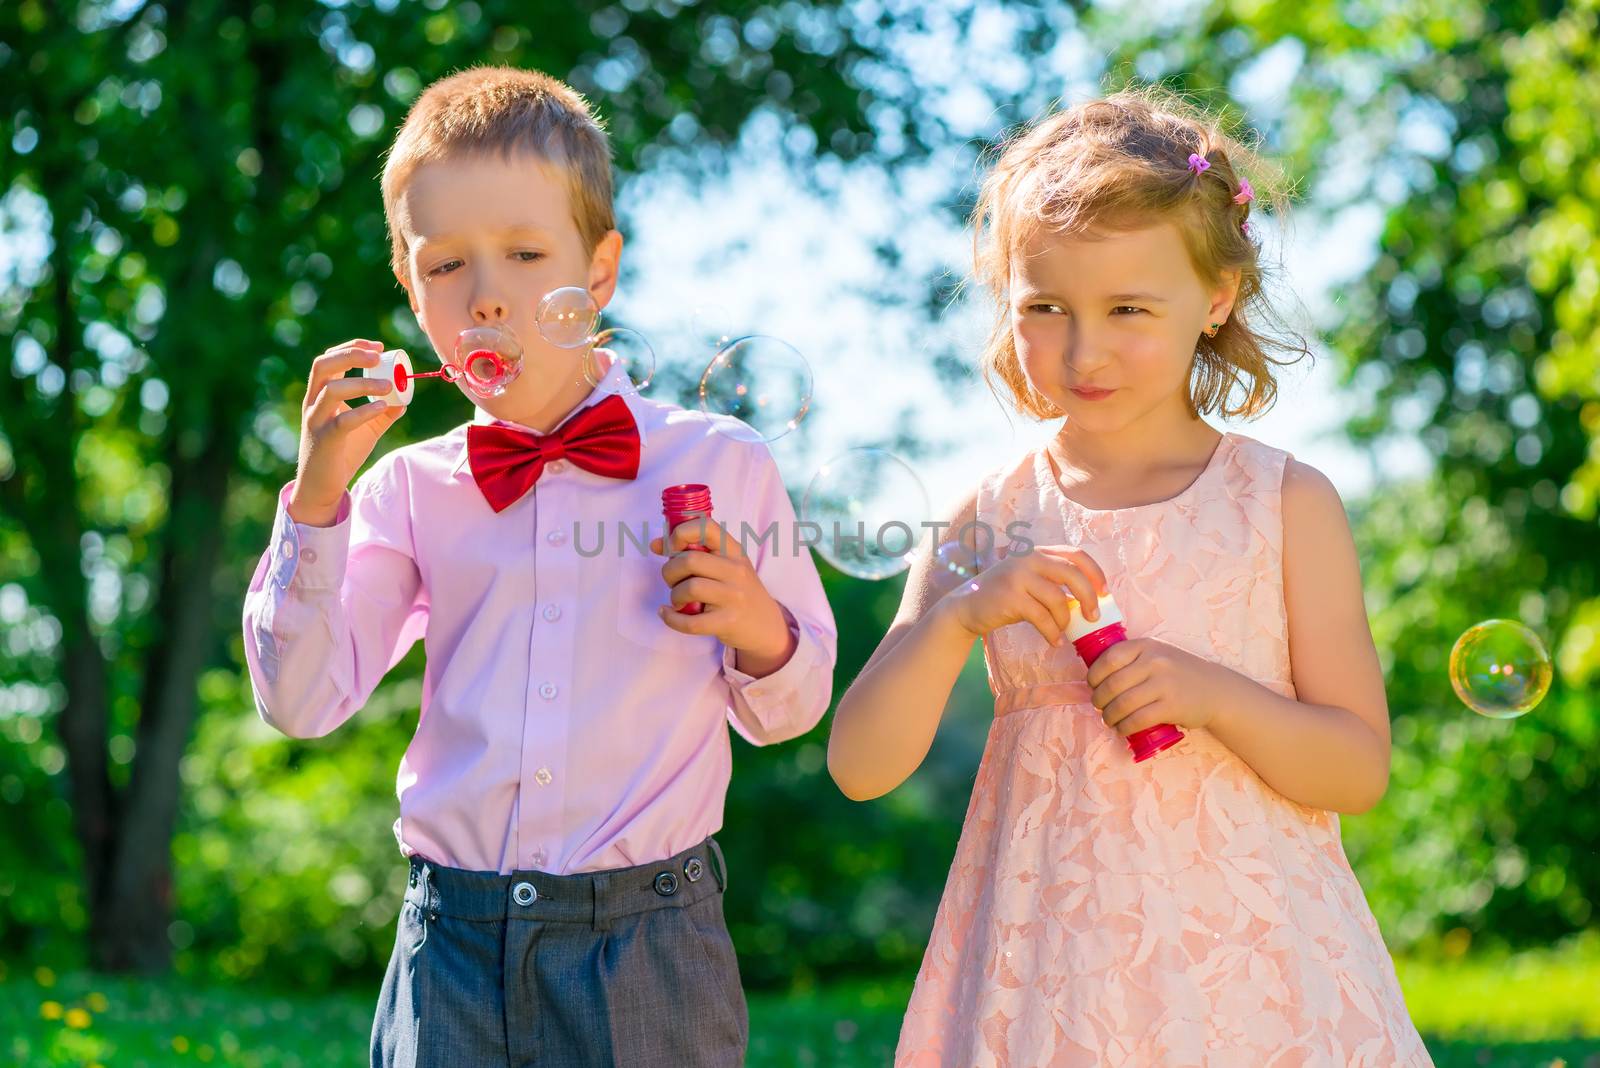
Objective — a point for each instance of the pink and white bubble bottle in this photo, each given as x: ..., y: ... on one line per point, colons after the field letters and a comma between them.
x: 1091, y: 639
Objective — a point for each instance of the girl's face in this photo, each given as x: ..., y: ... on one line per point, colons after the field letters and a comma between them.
x: 488, y: 238
x: 1106, y: 323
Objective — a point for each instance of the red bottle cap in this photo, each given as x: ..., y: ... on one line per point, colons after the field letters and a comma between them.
x: 680, y: 504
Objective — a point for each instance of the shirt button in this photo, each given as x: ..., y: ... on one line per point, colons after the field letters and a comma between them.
x: 556, y: 537
x: 542, y: 777
x: 547, y: 691
x: 552, y: 612
x: 309, y: 556
x: 538, y: 858
x: 288, y: 550
x: 556, y: 466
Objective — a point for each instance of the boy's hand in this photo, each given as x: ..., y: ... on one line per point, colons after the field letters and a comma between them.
x: 1027, y: 587
x: 336, y: 439
x: 738, y: 608
x: 1142, y: 682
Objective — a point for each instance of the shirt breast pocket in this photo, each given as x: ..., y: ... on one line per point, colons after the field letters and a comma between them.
x: 641, y: 591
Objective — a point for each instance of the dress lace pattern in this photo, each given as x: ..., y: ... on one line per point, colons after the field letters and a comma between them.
x: 1176, y: 912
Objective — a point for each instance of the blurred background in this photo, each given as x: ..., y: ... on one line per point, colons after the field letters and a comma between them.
x: 189, y: 211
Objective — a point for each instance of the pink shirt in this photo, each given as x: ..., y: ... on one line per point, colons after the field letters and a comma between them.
x: 564, y: 726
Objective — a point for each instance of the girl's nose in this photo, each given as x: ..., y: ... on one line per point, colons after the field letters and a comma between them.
x: 1083, y: 353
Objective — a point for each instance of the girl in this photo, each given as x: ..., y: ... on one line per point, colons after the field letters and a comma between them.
x: 1196, y: 908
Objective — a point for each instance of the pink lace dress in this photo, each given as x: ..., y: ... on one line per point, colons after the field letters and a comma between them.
x: 1175, y: 912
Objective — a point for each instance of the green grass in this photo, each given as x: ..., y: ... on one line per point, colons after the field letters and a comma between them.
x: 1532, y: 1009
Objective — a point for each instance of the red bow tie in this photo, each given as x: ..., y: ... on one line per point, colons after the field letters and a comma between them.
x: 506, y: 462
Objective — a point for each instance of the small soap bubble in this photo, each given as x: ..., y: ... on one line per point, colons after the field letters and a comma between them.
x: 761, y: 381
x: 625, y: 350
x: 568, y: 316
x: 1500, y: 669
x: 957, y: 558
x: 872, y: 511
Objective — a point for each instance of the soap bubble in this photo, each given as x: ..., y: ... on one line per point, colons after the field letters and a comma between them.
x: 626, y: 350
x: 872, y: 510
x: 489, y: 359
x: 956, y: 557
x: 711, y: 323
x: 1500, y: 669
x: 568, y: 316
x: 762, y: 381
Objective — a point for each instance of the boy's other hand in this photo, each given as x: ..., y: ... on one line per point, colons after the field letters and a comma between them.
x: 737, y: 607
x: 336, y: 439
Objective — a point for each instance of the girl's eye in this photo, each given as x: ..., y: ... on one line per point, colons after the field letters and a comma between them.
x: 446, y: 267
x: 528, y: 257
x: 1128, y: 308
x: 1045, y: 308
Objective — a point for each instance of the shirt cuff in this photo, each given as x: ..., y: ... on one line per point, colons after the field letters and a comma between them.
x: 780, y: 683
x: 312, y: 557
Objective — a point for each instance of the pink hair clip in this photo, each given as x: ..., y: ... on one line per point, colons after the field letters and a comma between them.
x: 1245, y: 194
x: 1198, y: 163
x: 1246, y: 229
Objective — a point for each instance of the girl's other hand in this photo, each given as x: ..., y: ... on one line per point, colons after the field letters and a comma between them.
x: 1027, y: 587
x: 1142, y: 682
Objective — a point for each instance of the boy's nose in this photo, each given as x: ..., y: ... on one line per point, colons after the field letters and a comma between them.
x: 488, y: 310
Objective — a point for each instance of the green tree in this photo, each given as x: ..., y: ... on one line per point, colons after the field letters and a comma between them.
x: 204, y: 175
x: 1477, y: 334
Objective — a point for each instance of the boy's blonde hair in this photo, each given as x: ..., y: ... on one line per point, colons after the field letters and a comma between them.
x: 1121, y: 163
x: 485, y: 110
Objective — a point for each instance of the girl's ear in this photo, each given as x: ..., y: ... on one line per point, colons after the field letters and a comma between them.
x: 1224, y: 296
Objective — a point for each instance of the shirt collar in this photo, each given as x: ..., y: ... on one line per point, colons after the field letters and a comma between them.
x: 607, y: 386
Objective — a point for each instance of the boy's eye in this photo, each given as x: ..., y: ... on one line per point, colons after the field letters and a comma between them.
x: 528, y: 257
x: 1127, y: 308
x: 446, y: 267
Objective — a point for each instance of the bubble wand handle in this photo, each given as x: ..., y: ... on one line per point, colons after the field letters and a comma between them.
x: 1092, y: 639
x: 679, y: 504
x: 448, y: 372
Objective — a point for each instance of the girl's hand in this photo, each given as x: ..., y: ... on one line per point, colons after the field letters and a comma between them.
x: 1026, y: 587
x: 1141, y: 682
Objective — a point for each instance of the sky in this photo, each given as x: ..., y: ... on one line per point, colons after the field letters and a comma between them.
x: 755, y: 247
x: 773, y: 253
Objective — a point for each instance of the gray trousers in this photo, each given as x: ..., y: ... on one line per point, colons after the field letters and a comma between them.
x: 631, y: 967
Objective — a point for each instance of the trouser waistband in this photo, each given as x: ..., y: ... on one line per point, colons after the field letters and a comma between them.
x: 595, y: 897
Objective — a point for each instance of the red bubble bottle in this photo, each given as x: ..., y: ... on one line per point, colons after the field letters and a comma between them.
x: 1091, y: 639
x: 679, y: 504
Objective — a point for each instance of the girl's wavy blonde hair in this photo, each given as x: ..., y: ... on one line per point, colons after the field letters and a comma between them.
x: 1120, y: 163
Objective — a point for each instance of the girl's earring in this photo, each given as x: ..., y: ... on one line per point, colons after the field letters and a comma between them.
x: 1213, y: 331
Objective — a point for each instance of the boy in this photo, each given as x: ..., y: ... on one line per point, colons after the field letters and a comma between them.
x: 572, y: 756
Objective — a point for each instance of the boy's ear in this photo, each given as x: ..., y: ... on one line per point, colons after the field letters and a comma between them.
x: 603, y: 267
x: 405, y: 284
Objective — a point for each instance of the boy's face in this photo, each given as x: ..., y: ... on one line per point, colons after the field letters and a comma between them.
x: 488, y: 237
x: 1111, y: 310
